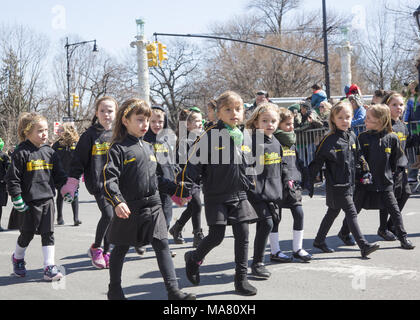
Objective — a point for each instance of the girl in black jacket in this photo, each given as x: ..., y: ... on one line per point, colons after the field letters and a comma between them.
x: 340, y: 152
x: 292, y: 195
x: 89, y: 159
x: 382, y: 150
x: 218, y: 159
x: 189, y: 120
x: 65, y: 147
x: 269, y: 179
x: 402, y: 190
x: 131, y: 187
x: 32, y: 177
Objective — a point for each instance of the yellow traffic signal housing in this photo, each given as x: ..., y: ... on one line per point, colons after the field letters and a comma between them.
x: 152, y: 55
x: 163, y: 54
x: 76, y: 101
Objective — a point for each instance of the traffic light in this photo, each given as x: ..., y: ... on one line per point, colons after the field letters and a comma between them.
x: 76, y: 101
x: 162, y: 53
x: 151, y: 55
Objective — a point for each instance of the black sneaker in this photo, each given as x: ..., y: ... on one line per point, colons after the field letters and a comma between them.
x: 192, y: 268
x: 179, y: 295
x: 347, y: 239
x: 386, y: 235
x: 176, y: 233
x: 323, y: 247
x: 243, y: 287
x: 18, y: 267
x: 60, y: 222
x: 259, y: 270
x: 406, y: 244
x: 368, y: 249
x: 77, y: 223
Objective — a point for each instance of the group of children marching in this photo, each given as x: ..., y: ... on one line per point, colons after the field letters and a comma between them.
x: 136, y: 170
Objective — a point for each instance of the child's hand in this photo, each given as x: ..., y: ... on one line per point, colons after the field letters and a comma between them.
x: 70, y: 188
x: 180, y: 202
x: 366, y: 179
x: 122, y: 211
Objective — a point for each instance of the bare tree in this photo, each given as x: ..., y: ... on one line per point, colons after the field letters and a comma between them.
x: 22, y: 53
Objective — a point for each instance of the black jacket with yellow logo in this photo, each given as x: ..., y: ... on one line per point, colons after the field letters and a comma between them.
x: 340, y: 151
x: 34, y: 172
x: 401, y: 130
x: 90, y: 156
x: 220, y: 164
x: 382, y: 151
x: 65, y: 153
x: 165, y: 156
x: 268, y: 183
x: 129, y: 173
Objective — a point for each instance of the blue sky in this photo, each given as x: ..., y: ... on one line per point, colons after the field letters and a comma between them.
x: 112, y: 23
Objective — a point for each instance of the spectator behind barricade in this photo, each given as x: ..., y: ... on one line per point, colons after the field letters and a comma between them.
x: 318, y: 95
x: 324, y: 110
x: 260, y: 97
x: 412, y: 114
x: 378, y: 96
x: 359, y: 113
x: 352, y: 90
x: 297, y: 117
x: 310, y: 119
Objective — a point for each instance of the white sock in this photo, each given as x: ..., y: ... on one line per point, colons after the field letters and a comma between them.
x: 274, y: 242
x: 19, y: 252
x: 48, y: 252
x: 297, y: 240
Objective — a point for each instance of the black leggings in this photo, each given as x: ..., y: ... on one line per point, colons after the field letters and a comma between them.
x: 47, y: 239
x: 163, y: 256
x: 391, y: 205
x: 350, y: 222
x: 215, y: 237
x: 384, y: 222
x: 192, y: 211
x: 297, y: 213
x: 166, y: 207
x: 264, y: 228
x: 74, y: 207
x: 107, y: 212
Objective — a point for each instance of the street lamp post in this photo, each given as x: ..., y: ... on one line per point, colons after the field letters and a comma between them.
x: 68, y: 56
x: 416, y: 15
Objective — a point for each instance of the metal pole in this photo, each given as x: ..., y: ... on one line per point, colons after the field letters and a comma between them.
x: 68, y: 78
x: 324, y: 31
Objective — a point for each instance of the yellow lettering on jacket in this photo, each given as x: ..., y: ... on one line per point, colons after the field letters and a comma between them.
x: 270, y: 158
x: 100, y: 149
x: 152, y: 158
x: 34, y: 165
x: 160, y: 148
x: 401, y: 136
x: 289, y: 153
x: 245, y: 148
x: 388, y: 150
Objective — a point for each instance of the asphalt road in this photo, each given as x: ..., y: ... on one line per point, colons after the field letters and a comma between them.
x: 390, y: 273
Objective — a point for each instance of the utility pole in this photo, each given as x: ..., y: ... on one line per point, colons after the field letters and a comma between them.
x: 142, y: 67
x: 324, y: 32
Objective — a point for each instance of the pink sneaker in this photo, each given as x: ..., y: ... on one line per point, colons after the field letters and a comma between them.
x: 106, y: 259
x: 96, y: 254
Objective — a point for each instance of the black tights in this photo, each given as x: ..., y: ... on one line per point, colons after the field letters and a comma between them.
x: 264, y: 228
x: 107, y: 212
x: 74, y: 207
x: 215, y: 237
x: 47, y: 239
x: 192, y: 211
x: 163, y: 256
x: 297, y: 213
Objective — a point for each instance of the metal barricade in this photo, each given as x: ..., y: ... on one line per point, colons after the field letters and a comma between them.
x: 308, y: 140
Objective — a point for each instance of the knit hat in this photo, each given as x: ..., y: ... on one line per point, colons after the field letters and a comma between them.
x: 354, y: 89
x: 293, y: 107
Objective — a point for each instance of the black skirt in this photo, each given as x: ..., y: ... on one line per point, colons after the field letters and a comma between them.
x: 145, y: 222
x: 335, y: 196
x: 39, y: 218
x: 266, y: 210
x: 229, y: 212
x: 365, y: 199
